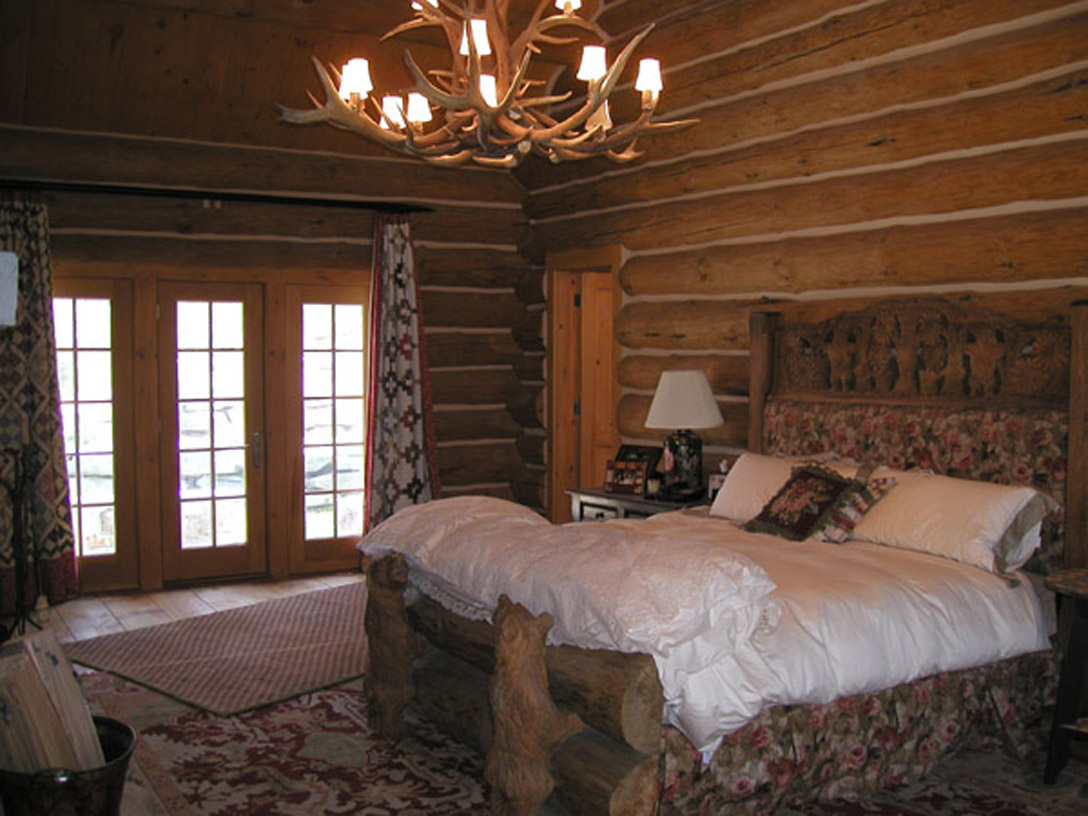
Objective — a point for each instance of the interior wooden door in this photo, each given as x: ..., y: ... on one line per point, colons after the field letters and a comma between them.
x: 582, y: 356
x: 212, y: 434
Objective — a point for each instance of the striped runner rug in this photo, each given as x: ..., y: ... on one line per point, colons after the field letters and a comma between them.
x: 240, y: 659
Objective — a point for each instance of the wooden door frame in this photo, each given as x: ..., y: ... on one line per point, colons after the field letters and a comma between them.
x: 603, y: 259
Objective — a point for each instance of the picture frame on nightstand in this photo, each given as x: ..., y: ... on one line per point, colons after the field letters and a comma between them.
x: 626, y: 477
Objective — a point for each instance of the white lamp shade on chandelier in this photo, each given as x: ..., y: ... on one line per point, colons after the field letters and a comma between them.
x: 683, y: 400
x: 488, y: 109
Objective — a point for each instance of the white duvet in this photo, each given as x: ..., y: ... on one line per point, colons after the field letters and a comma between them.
x: 735, y: 621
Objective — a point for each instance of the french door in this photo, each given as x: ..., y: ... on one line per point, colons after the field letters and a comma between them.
x: 211, y: 414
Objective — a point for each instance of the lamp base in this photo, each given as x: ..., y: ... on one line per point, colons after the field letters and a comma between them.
x: 682, y: 470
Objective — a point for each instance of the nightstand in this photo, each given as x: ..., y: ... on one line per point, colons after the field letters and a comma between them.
x: 598, y: 504
x: 1072, y: 585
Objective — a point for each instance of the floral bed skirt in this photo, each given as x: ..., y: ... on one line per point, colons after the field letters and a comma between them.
x: 857, y: 745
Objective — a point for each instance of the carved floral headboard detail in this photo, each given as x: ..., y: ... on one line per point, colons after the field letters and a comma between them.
x: 929, y: 383
x: 925, y: 348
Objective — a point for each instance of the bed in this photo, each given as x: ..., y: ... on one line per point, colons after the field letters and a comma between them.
x: 568, y: 690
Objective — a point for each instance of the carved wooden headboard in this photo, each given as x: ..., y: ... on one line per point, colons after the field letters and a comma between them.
x: 927, y: 382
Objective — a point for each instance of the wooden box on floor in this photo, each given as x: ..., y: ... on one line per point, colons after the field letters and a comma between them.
x: 44, y: 718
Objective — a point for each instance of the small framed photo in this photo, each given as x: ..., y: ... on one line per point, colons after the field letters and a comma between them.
x: 625, y: 477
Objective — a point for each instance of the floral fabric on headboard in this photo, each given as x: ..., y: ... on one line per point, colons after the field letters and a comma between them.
x: 1023, y: 447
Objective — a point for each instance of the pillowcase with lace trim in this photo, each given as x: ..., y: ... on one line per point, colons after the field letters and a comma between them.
x: 804, y: 503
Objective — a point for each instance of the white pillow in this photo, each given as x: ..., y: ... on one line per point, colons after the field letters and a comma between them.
x: 992, y: 526
x: 754, y: 479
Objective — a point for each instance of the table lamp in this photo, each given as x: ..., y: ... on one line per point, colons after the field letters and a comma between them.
x: 683, y: 402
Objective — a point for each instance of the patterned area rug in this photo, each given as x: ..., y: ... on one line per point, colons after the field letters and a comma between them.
x: 315, y: 755
x: 232, y: 661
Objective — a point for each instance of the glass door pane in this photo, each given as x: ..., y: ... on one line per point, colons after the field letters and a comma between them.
x: 214, y: 484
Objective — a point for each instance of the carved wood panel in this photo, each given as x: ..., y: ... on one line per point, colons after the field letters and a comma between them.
x: 923, y: 348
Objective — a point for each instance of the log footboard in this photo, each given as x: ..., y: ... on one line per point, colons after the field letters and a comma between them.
x: 610, y: 766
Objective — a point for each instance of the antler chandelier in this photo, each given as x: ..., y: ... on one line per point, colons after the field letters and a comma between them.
x: 486, y: 112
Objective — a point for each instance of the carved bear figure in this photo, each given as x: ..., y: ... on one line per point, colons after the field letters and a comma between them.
x: 527, y: 724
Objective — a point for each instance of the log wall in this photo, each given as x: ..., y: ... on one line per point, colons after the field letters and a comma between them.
x: 102, y: 102
x: 846, y: 150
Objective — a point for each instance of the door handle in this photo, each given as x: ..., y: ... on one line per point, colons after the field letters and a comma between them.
x: 255, y: 450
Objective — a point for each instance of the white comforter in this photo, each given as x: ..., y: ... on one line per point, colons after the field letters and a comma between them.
x: 735, y: 621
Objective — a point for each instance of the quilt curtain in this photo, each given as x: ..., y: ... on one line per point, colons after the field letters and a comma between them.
x: 402, y: 464
x: 37, y: 549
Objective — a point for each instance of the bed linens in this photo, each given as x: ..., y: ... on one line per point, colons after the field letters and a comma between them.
x: 847, y: 618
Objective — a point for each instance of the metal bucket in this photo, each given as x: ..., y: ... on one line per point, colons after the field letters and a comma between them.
x: 60, y: 792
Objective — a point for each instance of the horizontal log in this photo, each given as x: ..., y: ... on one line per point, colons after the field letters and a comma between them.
x: 631, y: 420
x: 529, y: 330
x: 446, y: 349
x: 861, y: 33
x: 526, y: 406
x: 596, y: 776
x: 179, y: 269
x: 1056, y: 105
x: 530, y: 367
x: 528, y: 492
x: 531, y: 449
x: 182, y: 251
x: 727, y: 374
x: 470, y: 266
x: 28, y: 154
x: 135, y: 212
x: 1047, y: 172
x: 489, y: 386
x: 688, y: 324
x: 452, y: 309
x: 967, y: 67
x: 1023, y: 247
x: 479, y: 464
x: 462, y: 424
x: 618, y: 694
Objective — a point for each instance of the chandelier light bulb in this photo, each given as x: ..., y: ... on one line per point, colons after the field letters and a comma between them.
x: 489, y: 90
x: 419, y: 6
x: 479, y: 37
x: 393, y: 109
x: 649, y: 76
x: 566, y: 6
x: 593, y: 66
x: 355, y: 78
x: 419, y: 111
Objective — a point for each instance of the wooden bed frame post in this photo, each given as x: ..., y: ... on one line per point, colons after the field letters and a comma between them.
x: 1076, y: 487
x: 392, y: 644
x: 761, y: 330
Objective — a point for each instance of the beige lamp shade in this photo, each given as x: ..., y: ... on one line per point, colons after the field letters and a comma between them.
x: 683, y: 400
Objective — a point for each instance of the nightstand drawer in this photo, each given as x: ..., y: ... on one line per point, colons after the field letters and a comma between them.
x: 596, y: 512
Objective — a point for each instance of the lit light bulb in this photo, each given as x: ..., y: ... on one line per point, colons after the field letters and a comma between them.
x: 489, y: 90
x: 419, y: 111
x: 419, y: 7
x: 649, y: 81
x: 567, y: 6
x: 355, y: 79
x: 593, y: 66
x: 479, y: 37
x: 393, y: 110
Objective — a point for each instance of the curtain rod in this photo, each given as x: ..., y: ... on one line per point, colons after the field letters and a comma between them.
x: 217, y: 195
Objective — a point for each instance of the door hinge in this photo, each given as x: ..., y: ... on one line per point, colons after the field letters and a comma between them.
x: 578, y: 301
x: 578, y: 409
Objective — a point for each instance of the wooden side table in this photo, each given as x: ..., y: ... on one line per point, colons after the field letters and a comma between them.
x: 1072, y: 585
x: 598, y: 504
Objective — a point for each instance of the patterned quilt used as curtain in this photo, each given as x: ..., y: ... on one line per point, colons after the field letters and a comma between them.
x: 33, y: 474
x: 402, y: 466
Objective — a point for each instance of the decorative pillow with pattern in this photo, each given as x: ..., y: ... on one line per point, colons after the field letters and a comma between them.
x: 842, y: 520
x: 804, y: 503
